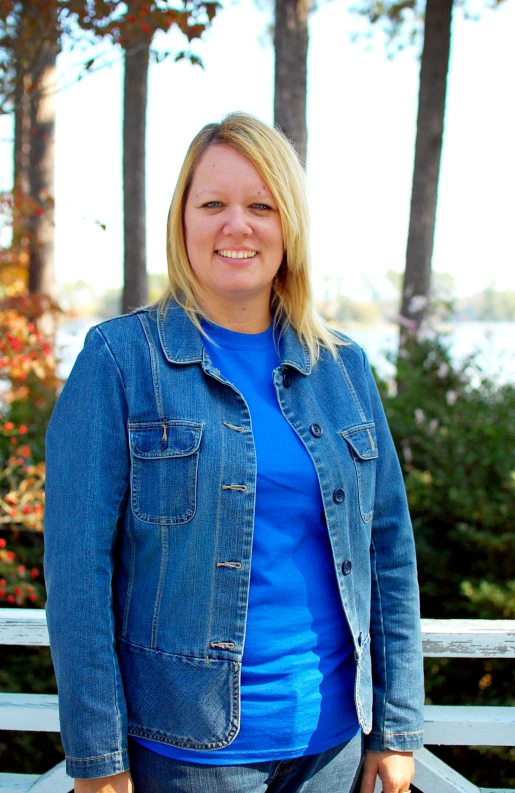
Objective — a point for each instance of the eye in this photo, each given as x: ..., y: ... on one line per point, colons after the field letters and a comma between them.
x: 261, y: 206
x: 212, y: 205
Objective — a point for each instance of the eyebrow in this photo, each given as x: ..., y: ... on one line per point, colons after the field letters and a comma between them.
x: 264, y: 194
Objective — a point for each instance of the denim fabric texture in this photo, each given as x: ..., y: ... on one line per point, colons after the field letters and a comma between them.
x: 151, y: 473
x: 333, y: 771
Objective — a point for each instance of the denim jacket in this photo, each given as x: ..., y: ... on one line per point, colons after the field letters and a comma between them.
x: 151, y: 482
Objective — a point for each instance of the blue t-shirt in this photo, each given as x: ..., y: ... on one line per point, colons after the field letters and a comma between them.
x: 298, y: 669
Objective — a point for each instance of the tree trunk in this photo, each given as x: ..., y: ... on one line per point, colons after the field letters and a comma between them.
x: 21, y: 185
x: 41, y: 170
x: 291, y: 52
x: 21, y: 136
x: 428, y: 148
x: 135, y: 289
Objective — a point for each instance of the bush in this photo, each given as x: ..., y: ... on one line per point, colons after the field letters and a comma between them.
x: 454, y: 430
x: 28, y: 392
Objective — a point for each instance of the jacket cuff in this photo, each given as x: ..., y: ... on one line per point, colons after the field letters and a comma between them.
x: 94, y: 767
x: 394, y: 742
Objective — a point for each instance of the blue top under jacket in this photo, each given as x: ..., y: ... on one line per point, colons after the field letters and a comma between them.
x: 298, y: 668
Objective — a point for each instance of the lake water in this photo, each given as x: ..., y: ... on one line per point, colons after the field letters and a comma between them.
x: 494, y: 343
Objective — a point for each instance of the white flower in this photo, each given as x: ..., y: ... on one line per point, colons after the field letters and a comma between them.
x: 451, y: 397
x: 406, y: 448
x: 433, y: 425
x: 417, y: 303
x: 443, y: 370
x: 419, y: 416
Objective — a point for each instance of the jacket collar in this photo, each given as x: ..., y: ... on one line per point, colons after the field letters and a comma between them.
x: 182, y: 342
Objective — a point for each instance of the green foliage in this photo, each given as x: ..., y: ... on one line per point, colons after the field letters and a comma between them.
x: 454, y: 430
x: 455, y: 433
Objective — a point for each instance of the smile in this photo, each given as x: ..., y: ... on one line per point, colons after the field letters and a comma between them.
x: 238, y: 254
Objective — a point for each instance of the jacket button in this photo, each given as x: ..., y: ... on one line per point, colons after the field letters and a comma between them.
x: 287, y: 379
x: 316, y: 430
x: 346, y: 567
x: 338, y: 495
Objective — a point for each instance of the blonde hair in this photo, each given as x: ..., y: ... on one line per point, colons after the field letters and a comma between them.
x: 275, y: 159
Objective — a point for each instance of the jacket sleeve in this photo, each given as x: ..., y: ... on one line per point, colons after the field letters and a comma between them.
x: 87, y: 486
x: 396, y: 644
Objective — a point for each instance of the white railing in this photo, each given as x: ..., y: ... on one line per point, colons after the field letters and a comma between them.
x: 444, y: 725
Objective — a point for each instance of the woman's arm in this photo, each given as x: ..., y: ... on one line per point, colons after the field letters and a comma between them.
x: 86, y: 495
x: 396, y: 644
x: 119, y: 783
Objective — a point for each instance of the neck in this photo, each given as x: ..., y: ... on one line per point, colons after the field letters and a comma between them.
x: 242, y: 317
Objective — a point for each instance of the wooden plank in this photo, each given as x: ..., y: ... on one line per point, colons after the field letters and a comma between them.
x: 17, y: 783
x: 468, y: 725
x: 441, y: 638
x: 23, y: 626
x: 468, y: 638
x: 54, y: 781
x: 432, y: 775
x: 29, y: 712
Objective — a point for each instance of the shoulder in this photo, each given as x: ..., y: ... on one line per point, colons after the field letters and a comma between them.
x: 121, y: 340
x: 123, y: 326
x: 349, y: 352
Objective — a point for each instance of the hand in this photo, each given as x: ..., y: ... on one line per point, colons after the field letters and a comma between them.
x: 395, y: 770
x: 119, y: 783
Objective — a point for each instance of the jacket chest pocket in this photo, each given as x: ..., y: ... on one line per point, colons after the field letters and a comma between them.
x: 164, y: 463
x: 362, y: 444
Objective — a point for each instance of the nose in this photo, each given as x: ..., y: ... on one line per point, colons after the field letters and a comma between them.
x: 236, y: 223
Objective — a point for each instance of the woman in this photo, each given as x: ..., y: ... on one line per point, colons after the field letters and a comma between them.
x: 229, y: 423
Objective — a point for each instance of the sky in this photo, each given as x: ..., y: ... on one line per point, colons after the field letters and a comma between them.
x: 362, y: 110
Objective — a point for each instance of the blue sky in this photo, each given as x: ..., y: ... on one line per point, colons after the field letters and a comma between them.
x: 361, y: 119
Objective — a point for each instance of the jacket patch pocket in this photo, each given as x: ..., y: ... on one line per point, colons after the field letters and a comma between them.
x: 191, y: 703
x: 362, y: 444
x: 164, y: 462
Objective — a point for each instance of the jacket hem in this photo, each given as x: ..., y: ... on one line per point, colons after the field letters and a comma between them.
x: 394, y: 742
x: 95, y: 767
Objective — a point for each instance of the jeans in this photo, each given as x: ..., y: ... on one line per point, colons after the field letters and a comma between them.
x: 333, y: 771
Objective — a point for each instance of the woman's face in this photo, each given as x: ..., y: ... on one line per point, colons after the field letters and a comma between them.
x: 233, y: 230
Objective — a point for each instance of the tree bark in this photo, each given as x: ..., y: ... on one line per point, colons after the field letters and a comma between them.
x: 21, y: 136
x: 428, y: 148
x: 291, y: 52
x: 41, y: 169
x: 135, y: 289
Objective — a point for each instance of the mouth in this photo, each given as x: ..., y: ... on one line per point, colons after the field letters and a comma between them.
x: 228, y: 254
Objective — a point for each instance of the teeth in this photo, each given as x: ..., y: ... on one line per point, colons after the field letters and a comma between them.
x: 238, y: 254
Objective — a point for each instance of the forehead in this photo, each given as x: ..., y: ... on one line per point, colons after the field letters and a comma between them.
x: 223, y: 167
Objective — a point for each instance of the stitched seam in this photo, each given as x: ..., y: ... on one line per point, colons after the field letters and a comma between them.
x: 380, y: 611
x: 154, y: 365
x: 115, y: 361
x: 351, y: 388
x: 120, y: 753
x: 130, y: 582
x: 160, y: 586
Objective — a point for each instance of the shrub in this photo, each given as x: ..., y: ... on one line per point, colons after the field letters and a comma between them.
x: 454, y: 430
